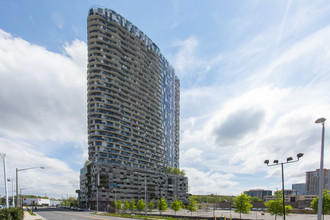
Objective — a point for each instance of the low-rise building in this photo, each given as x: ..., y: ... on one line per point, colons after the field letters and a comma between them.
x: 288, y: 193
x: 260, y: 193
x: 296, y: 201
x: 36, y: 201
x: 118, y: 182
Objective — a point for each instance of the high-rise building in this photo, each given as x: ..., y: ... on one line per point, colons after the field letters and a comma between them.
x: 312, y: 181
x: 133, y: 116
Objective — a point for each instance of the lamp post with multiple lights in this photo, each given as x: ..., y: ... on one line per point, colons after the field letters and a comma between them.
x: 17, y: 180
x: 320, y: 202
x: 275, y: 163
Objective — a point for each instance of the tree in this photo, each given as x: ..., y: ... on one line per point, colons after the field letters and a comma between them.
x: 325, y: 203
x: 176, y: 205
x: 118, y: 205
x: 183, y: 172
x: 151, y: 205
x: 126, y: 206
x: 242, y: 204
x: 132, y: 205
x: 65, y: 202
x: 256, y: 199
x: 140, y: 205
x: 182, y: 205
x: 72, y: 201
x: 275, y: 207
x: 176, y: 171
x: 192, y: 207
x: 162, y: 205
x: 169, y: 170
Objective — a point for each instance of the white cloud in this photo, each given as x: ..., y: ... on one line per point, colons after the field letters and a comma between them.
x: 55, y: 179
x: 42, y: 114
x: 43, y: 94
x: 287, y: 128
x: 265, y: 111
x: 209, y: 182
x: 193, y: 155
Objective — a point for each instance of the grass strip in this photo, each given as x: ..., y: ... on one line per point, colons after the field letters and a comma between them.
x: 136, y: 216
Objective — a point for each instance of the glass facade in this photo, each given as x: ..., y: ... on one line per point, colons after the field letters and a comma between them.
x: 133, y: 96
x: 171, y: 114
x: 299, y: 188
x: 260, y: 193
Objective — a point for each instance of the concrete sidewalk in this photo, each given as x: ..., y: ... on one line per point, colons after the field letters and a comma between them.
x: 27, y: 216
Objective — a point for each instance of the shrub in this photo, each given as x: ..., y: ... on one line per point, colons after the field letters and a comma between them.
x: 5, y: 214
x: 12, y: 214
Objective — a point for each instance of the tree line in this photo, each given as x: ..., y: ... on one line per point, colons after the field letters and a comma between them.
x: 243, y: 204
x: 70, y: 202
x: 161, y: 205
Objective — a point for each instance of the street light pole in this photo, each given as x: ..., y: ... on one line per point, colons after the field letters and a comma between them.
x: 283, y: 197
x: 275, y: 163
x: 320, y: 202
x: 17, y: 180
x: 12, y: 190
x: 5, y: 176
x: 16, y: 187
x: 20, y: 195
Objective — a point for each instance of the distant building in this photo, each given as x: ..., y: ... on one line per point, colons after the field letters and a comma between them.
x: 305, y: 197
x: 312, y: 181
x: 296, y: 201
x: 36, y: 201
x: 288, y: 193
x: 299, y: 188
x: 260, y: 193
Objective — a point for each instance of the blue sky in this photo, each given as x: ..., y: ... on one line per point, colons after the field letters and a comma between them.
x: 254, y: 78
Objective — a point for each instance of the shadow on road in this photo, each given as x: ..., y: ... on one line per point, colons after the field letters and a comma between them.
x: 54, y: 209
